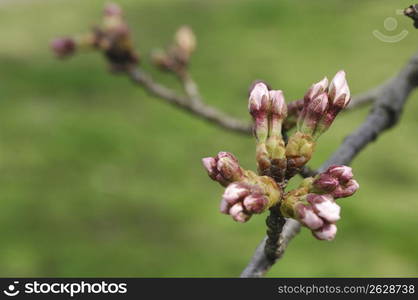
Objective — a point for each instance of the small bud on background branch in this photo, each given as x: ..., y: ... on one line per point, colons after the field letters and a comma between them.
x: 412, y: 12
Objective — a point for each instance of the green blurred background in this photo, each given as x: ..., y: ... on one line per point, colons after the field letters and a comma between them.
x: 100, y: 179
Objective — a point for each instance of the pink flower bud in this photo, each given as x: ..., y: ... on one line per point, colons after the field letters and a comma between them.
x: 185, y: 39
x: 316, y: 89
x: 235, y: 192
x: 346, y: 190
x: 259, y: 99
x: 327, y: 232
x: 228, y: 166
x: 224, y: 207
x: 223, y: 168
x: 112, y: 9
x: 339, y: 92
x: 278, y: 104
x: 63, y: 47
x: 325, y: 207
x: 210, y: 165
x: 314, y: 112
x: 307, y: 217
x: 325, y: 183
x: 237, y: 213
x: 340, y: 172
x: 255, y: 203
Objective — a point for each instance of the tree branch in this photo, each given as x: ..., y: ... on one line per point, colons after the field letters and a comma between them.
x: 385, y: 113
x: 192, y: 104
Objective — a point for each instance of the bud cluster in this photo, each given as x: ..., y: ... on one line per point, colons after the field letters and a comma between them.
x: 321, y: 104
x: 313, y: 203
x: 268, y: 110
x: 246, y: 193
x: 177, y: 56
x: 112, y: 37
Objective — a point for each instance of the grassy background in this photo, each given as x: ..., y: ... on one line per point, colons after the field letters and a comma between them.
x: 99, y: 179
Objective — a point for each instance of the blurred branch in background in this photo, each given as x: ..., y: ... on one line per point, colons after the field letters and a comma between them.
x: 113, y: 38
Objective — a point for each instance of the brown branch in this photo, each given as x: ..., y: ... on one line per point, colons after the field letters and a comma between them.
x: 385, y: 113
x: 190, y: 104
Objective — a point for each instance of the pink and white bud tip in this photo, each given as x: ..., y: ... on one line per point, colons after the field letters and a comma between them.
x: 339, y: 92
x: 326, y: 233
x: 278, y: 104
x: 316, y: 89
x: 325, y: 207
x: 259, y: 98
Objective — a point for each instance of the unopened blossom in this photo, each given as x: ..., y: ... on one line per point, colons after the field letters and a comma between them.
x: 315, y: 90
x: 223, y: 168
x: 339, y: 92
x: 114, y: 38
x: 325, y: 207
x: 306, y: 215
x: 238, y: 213
x: 339, y: 97
x: 259, y: 108
x: 346, y: 189
x: 63, y: 47
x: 112, y: 9
x: 313, y: 113
x: 336, y: 180
x: 314, y: 211
x: 326, y: 233
x: 340, y: 172
x: 275, y: 144
x: 325, y: 183
x: 185, y: 40
x: 268, y: 109
x: 175, y: 58
x: 251, y: 195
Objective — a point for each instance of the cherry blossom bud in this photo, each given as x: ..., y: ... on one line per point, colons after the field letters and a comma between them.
x: 223, y: 168
x: 325, y: 207
x: 339, y: 97
x: 314, y: 112
x: 63, y: 47
x: 278, y: 104
x: 259, y: 106
x: 255, y: 203
x: 340, y: 172
x: 112, y: 9
x: 185, y: 39
x: 308, y: 217
x: 325, y: 183
x: 228, y: 166
x: 346, y: 187
x: 339, y: 92
x: 327, y: 232
x: 252, y: 195
x: 224, y: 207
x: 259, y: 100
x: 235, y: 192
x: 209, y: 163
x: 238, y: 214
x: 346, y: 190
x: 315, y: 90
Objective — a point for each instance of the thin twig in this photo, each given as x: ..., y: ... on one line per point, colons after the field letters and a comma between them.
x: 195, y: 106
x: 385, y: 113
